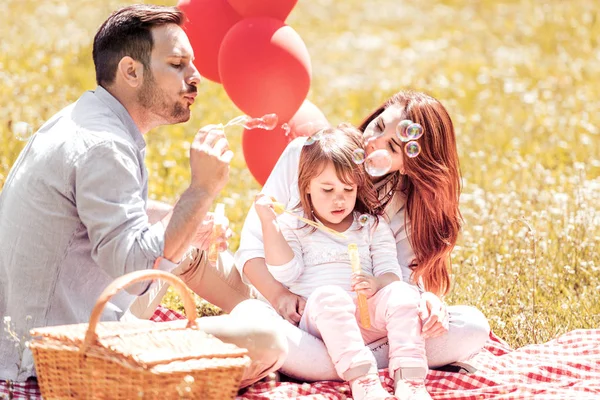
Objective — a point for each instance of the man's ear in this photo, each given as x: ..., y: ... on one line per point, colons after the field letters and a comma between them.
x: 131, y: 71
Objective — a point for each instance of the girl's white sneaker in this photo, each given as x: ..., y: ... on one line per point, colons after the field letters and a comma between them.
x: 368, y: 387
x: 409, y: 384
x: 405, y: 389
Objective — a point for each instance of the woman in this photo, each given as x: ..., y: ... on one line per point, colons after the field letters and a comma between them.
x: 420, y: 197
x: 338, y: 193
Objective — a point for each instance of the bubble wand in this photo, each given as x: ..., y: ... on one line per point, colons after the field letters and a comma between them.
x: 363, y: 307
x: 280, y: 209
x: 267, y: 122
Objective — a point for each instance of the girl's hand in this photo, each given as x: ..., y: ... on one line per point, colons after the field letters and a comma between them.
x: 264, y: 208
x: 434, y: 315
x: 365, y: 284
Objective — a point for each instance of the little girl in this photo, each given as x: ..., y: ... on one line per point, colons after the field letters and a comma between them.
x: 335, y: 192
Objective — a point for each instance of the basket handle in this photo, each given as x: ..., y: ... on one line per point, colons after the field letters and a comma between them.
x: 129, y: 279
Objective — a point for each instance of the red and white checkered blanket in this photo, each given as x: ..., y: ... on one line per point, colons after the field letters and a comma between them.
x: 564, y: 368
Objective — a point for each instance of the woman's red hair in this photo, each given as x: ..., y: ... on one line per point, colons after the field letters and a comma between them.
x: 431, y: 185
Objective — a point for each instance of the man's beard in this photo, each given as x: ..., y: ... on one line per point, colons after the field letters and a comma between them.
x: 153, y: 99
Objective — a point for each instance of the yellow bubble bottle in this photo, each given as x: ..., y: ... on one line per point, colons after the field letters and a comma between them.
x: 363, y: 307
x: 213, y: 249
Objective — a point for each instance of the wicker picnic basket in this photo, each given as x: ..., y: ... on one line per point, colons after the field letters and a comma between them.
x: 139, y: 360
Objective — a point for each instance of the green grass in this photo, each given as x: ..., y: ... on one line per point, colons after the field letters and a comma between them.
x: 518, y: 77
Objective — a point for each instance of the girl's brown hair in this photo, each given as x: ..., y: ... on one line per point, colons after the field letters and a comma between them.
x: 431, y: 185
x: 336, y: 146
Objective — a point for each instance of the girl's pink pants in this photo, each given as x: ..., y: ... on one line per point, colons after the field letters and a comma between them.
x: 332, y: 314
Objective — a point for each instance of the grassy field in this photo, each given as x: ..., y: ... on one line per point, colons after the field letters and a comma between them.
x: 520, y: 79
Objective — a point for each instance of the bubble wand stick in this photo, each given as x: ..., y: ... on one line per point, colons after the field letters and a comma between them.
x: 280, y: 209
x: 219, y: 217
x: 363, y: 307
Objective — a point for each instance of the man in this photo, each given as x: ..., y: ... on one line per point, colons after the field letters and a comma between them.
x: 74, y: 210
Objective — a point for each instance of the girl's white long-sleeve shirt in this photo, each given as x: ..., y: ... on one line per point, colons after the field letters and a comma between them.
x: 322, y: 259
x: 282, y: 184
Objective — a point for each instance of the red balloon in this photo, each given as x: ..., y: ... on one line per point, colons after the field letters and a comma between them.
x: 279, y: 9
x: 262, y: 148
x: 265, y: 67
x: 208, y: 22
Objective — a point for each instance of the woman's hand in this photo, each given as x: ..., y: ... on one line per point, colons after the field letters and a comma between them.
x: 264, y: 208
x: 365, y: 284
x: 289, y: 305
x: 434, y: 315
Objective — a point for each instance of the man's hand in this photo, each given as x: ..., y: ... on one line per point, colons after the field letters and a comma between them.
x: 209, y: 163
x: 202, y: 237
x: 365, y: 284
x: 209, y: 160
x: 434, y: 315
x: 289, y: 305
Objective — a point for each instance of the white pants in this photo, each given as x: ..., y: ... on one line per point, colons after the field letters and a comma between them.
x: 308, y: 358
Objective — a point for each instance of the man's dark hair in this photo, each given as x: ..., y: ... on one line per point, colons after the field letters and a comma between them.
x: 127, y: 32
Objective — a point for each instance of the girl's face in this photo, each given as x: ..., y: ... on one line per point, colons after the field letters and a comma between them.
x: 381, y: 134
x: 332, y: 200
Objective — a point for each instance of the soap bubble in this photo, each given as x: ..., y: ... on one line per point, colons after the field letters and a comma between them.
x: 378, y: 163
x: 364, y: 219
x: 413, y: 132
x: 310, y: 128
x: 358, y: 156
x: 267, y: 122
x: 239, y: 120
x: 22, y: 130
x: 412, y: 149
x: 318, y: 135
x: 309, y: 140
x: 371, y: 133
x: 401, y: 129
